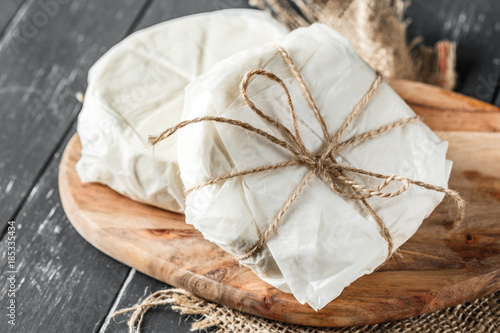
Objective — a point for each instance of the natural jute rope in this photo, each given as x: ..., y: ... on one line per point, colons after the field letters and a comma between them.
x: 158, y: 298
x: 324, y: 165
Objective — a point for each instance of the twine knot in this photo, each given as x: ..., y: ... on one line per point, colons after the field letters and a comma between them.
x: 323, y: 165
x: 313, y: 163
x: 319, y: 165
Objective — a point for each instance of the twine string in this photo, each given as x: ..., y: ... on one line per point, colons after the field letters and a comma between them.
x: 324, y: 165
x: 162, y: 297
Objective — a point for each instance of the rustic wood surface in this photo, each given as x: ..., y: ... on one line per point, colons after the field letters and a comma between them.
x: 443, y: 110
x: 53, y: 266
x: 37, y: 112
x: 442, y: 266
x: 474, y: 26
x: 8, y: 11
x: 39, y: 77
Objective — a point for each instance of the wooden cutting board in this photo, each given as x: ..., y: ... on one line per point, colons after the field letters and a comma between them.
x: 441, y: 267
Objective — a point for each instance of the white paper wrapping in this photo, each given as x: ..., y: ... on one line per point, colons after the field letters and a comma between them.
x: 137, y: 89
x: 325, y: 242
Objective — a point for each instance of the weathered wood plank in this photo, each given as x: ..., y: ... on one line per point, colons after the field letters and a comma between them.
x: 45, y: 55
x: 63, y: 284
x: 162, y: 319
x: 9, y: 9
x: 474, y: 26
x: 167, y: 10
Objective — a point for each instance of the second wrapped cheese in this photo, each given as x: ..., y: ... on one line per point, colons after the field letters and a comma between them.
x: 137, y: 88
x: 326, y: 240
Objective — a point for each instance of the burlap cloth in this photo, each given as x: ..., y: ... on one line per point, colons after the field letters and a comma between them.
x: 377, y: 31
x: 481, y: 315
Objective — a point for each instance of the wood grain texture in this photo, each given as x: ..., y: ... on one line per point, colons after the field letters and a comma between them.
x: 45, y: 55
x: 63, y: 284
x: 160, y: 11
x: 9, y: 9
x: 162, y: 319
x: 442, y: 266
x: 443, y: 110
x: 473, y: 25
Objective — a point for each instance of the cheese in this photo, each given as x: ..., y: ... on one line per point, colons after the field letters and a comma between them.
x: 137, y: 89
x: 325, y: 241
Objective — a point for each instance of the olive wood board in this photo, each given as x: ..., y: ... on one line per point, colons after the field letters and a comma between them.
x: 441, y: 265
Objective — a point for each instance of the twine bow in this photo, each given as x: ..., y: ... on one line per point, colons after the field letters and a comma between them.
x: 324, y: 165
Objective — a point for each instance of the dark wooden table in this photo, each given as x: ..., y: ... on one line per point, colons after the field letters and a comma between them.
x: 62, y: 283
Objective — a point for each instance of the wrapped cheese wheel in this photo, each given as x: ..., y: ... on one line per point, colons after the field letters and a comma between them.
x: 137, y: 88
x: 325, y: 240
